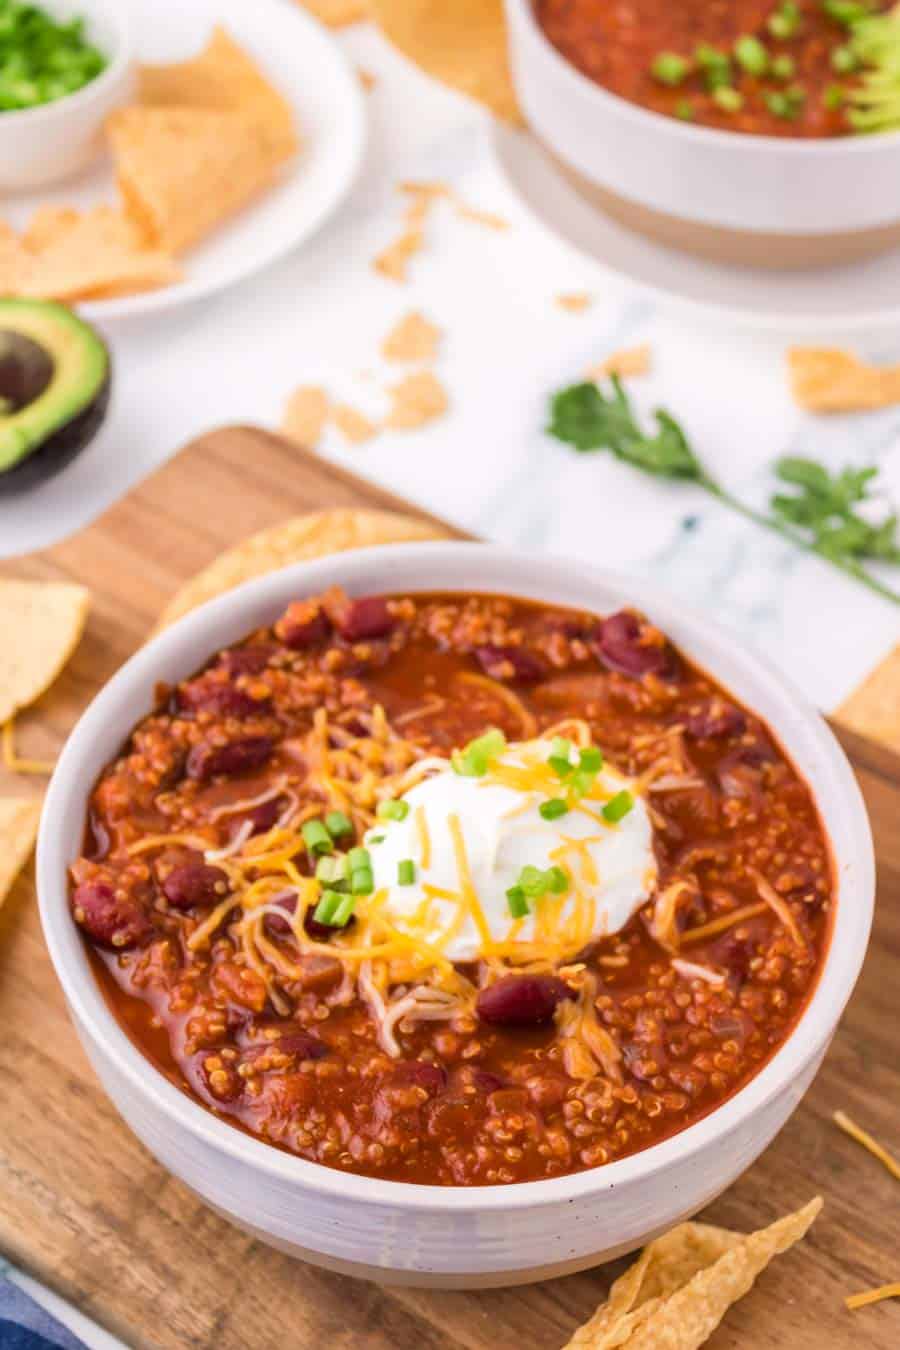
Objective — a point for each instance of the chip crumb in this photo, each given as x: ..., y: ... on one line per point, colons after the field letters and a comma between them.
x: 417, y: 399
x: 19, y: 819
x: 338, y: 13
x: 412, y: 339
x: 306, y: 414
x: 627, y: 362
x: 394, y: 261
x: 353, y: 424
x: 486, y: 218
x: 831, y: 380
x: 850, y: 1127
x: 683, y: 1283
x: 48, y: 619
x: 366, y: 78
x: 575, y: 301
x: 872, y: 1296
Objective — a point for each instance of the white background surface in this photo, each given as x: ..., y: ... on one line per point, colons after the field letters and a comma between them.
x: 319, y: 316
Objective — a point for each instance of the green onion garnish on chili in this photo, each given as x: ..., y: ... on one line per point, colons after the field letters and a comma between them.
x: 553, y: 809
x: 333, y: 870
x: 670, y: 68
x: 474, y: 760
x: 362, y: 881
x: 393, y: 810
x: 751, y: 55
x: 337, y: 823
x: 517, y: 901
x: 334, y: 910
x: 617, y: 807
x: 406, y: 872
x: 316, y: 837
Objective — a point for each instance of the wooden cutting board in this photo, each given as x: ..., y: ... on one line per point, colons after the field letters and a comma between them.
x: 88, y: 1211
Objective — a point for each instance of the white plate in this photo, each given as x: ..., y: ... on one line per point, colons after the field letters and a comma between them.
x: 309, y: 68
x: 862, y: 296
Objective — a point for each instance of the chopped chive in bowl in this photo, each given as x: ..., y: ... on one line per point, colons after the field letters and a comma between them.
x: 42, y: 60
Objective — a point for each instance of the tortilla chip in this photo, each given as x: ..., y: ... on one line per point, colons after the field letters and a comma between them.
x: 366, y: 78
x: 184, y: 171
x: 19, y: 818
x: 353, y: 424
x: 296, y: 540
x: 77, y: 255
x: 338, y: 13
x: 417, y: 399
x: 43, y: 622
x: 393, y: 261
x: 462, y: 44
x: 305, y: 415
x: 873, y: 709
x: 627, y: 362
x: 412, y: 339
x: 223, y: 78
x: 829, y: 380
x: 678, y: 1291
x: 576, y: 303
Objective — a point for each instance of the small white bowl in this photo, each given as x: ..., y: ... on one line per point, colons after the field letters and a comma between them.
x: 54, y: 141
x: 760, y: 200
x: 429, y: 1235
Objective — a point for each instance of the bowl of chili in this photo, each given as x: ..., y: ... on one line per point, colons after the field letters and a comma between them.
x: 228, y: 872
x: 762, y: 133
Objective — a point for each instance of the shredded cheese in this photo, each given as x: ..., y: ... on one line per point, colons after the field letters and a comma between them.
x: 513, y: 703
x: 872, y: 1296
x: 877, y: 1150
x: 779, y: 905
x: 725, y: 921
x: 424, y: 838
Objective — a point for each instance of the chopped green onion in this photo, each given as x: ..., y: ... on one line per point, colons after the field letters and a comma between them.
x: 751, y: 55
x: 359, y: 857
x: 716, y: 66
x: 338, y: 824
x: 729, y: 100
x: 316, y: 837
x: 344, y: 912
x: 474, y: 759
x: 847, y: 12
x: 670, y: 68
x: 332, y: 869
x: 591, y: 759
x: 617, y: 807
x: 406, y: 872
x: 362, y: 881
x: 553, y: 809
x: 785, y: 22
x: 327, y: 908
x: 684, y: 109
x: 42, y: 60
x: 517, y: 901
x: 533, y: 882
x: 786, y: 105
x: 560, y: 748
x: 393, y: 810
x: 376, y: 839
x: 557, y: 881
x: 560, y: 766
x: 844, y: 60
x: 833, y: 97
x: 783, y: 67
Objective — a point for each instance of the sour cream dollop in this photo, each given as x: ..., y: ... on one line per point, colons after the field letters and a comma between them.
x: 500, y: 830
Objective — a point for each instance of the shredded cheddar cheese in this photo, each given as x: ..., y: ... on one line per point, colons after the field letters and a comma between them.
x: 877, y: 1150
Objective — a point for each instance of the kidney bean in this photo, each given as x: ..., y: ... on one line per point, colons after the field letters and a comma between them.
x: 735, y: 954
x: 521, y: 1000
x: 509, y: 663
x: 207, y: 761
x: 368, y: 617
x: 195, y: 885
x: 715, y: 722
x: 110, y: 919
x: 740, y: 771
x: 247, y: 660
x: 222, y: 699
x: 302, y: 1044
x: 303, y: 624
x: 430, y: 1077
x: 264, y: 816
x: 627, y: 644
x: 485, y: 1082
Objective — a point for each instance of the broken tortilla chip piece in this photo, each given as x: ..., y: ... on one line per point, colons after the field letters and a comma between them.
x: 305, y: 415
x: 223, y: 78
x: 830, y: 380
x: 183, y: 171
x: 68, y: 255
x: 627, y: 362
x: 394, y: 260
x: 44, y: 622
x: 873, y: 709
x: 462, y: 44
x: 576, y: 302
x: 296, y: 540
x: 417, y: 399
x: 19, y: 819
x: 679, y: 1289
x: 413, y: 338
x: 354, y: 425
x: 338, y: 13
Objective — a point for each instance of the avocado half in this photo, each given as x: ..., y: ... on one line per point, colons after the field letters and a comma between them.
x: 54, y: 389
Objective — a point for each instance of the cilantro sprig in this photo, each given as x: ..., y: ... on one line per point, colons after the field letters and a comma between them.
x: 818, y: 517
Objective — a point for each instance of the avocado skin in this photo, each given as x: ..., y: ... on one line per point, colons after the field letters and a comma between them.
x: 63, y: 416
x: 61, y: 448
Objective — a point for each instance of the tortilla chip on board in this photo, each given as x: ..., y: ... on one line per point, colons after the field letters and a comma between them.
x: 296, y: 540
x: 830, y: 380
x: 683, y: 1283
x: 44, y: 621
x: 873, y: 709
x: 19, y: 818
x: 462, y: 44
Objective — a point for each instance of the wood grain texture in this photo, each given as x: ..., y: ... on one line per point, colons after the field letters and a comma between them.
x: 86, y: 1209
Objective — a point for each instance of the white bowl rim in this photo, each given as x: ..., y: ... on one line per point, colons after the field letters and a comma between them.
x: 847, y: 945
x: 117, y: 61
x: 741, y: 141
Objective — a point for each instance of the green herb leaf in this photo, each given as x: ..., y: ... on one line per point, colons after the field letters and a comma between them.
x: 584, y: 417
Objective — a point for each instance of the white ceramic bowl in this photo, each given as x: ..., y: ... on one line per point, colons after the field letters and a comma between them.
x: 452, y: 1236
x: 843, y: 189
x: 46, y: 144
